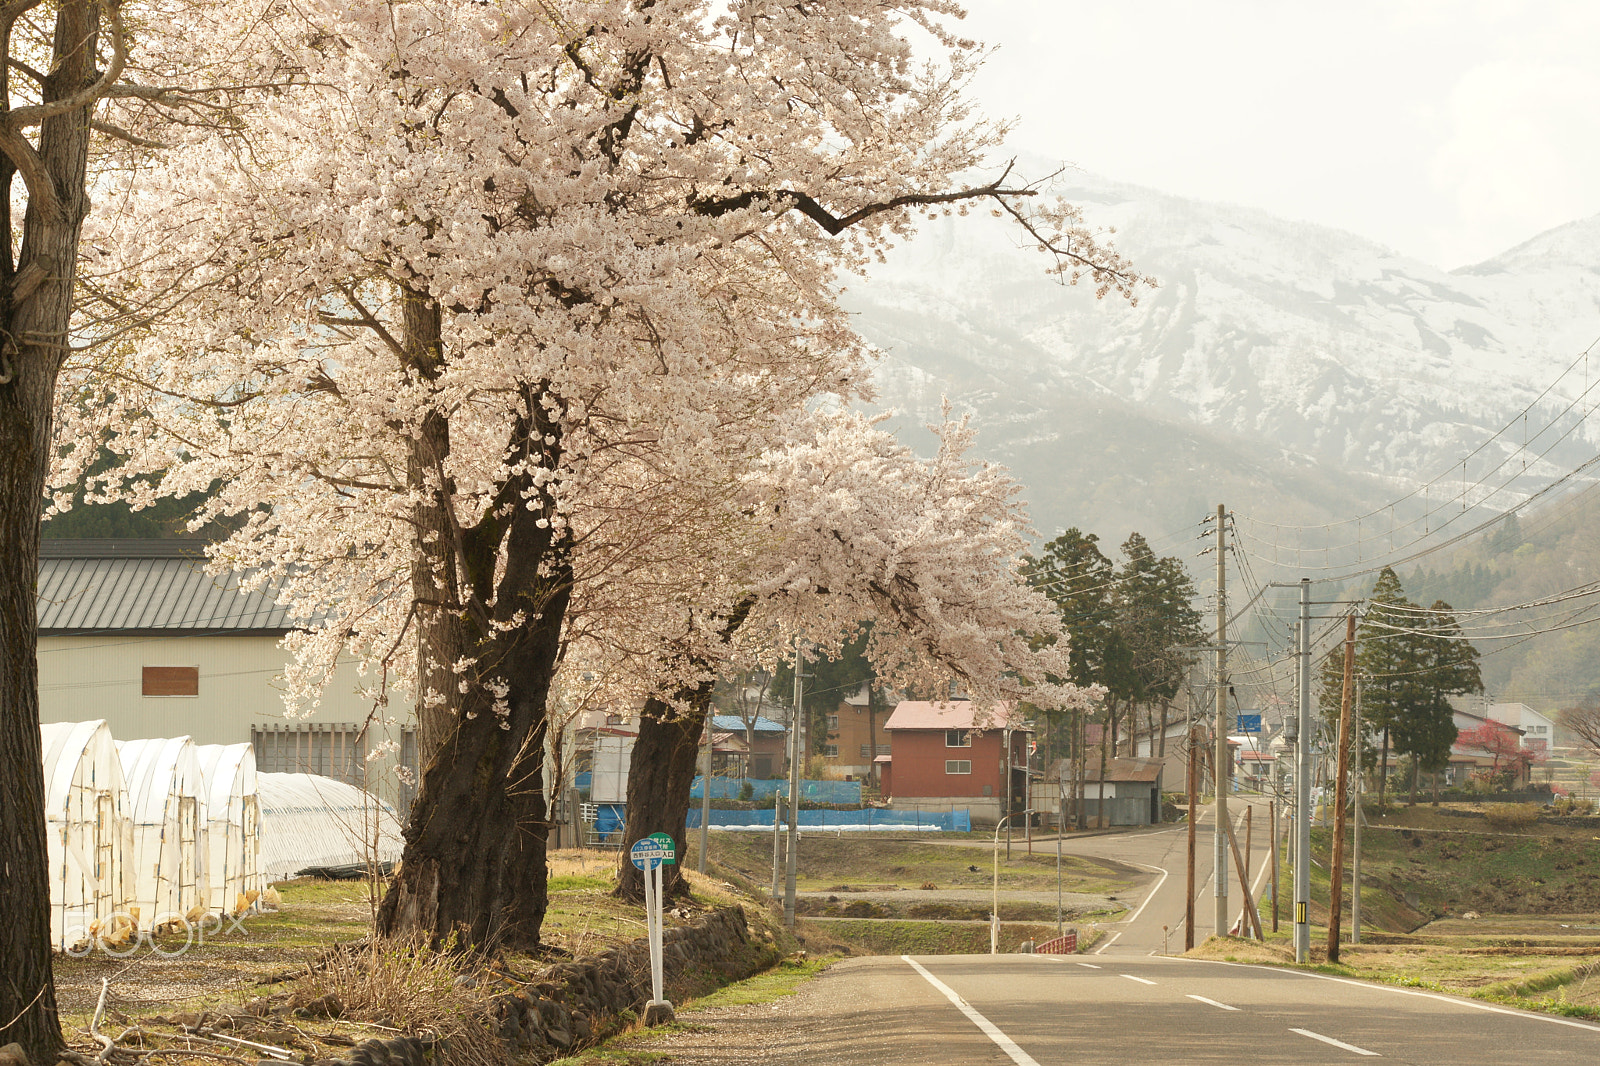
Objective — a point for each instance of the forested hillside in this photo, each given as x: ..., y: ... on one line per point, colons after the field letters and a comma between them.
x: 1547, y: 656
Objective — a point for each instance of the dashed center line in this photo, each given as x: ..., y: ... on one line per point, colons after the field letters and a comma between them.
x: 1141, y: 980
x: 1335, y: 1043
x: 1088, y: 966
x: 1212, y: 1002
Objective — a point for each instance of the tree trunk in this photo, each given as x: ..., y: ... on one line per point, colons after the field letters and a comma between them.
x: 474, y: 859
x: 1166, y: 710
x: 659, y: 778
x: 1416, y: 779
x: 473, y: 870
x: 28, y: 993
x: 36, y: 308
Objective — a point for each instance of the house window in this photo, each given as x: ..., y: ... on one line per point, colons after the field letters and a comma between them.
x: 171, y: 681
x: 830, y: 751
x: 958, y: 766
x: 958, y: 738
x: 833, y: 721
x: 336, y: 750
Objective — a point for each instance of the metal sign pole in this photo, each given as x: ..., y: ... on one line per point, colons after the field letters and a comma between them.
x: 649, y: 855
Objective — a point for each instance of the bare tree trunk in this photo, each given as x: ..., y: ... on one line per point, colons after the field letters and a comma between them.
x: 36, y: 307
x: 1166, y: 711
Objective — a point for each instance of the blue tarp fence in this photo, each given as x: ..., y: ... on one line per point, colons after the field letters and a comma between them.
x: 761, y: 789
x: 869, y: 818
x: 765, y: 789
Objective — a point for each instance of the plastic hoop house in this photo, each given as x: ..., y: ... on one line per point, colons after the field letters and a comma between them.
x: 88, y: 831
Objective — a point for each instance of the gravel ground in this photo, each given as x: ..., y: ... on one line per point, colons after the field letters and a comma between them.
x: 820, y: 1025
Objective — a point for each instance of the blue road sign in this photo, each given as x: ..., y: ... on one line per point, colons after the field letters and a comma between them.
x: 1249, y: 723
x: 648, y: 853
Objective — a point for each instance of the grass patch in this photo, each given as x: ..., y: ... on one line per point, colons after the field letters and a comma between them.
x: 872, y: 937
x: 846, y: 861
x: 784, y: 979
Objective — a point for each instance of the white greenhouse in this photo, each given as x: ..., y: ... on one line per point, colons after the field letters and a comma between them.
x: 167, y: 795
x: 88, y: 829
x: 309, y: 821
x: 233, y: 812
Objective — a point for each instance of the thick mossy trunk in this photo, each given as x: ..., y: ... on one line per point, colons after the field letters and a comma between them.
x: 473, y: 872
x: 492, y: 596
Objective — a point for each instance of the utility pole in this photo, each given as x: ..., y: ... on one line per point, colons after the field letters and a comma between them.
x: 1194, y: 816
x: 1272, y: 817
x: 1005, y: 804
x: 1302, y: 785
x: 796, y: 756
x: 705, y: 799
x: 1355, y: 866
x: 1220, y: 762
x: 1336, y: 876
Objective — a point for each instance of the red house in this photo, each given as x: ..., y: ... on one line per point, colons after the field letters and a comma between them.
x: 949, y: 755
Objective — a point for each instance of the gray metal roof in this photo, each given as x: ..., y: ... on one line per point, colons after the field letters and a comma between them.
x: 101, y: 586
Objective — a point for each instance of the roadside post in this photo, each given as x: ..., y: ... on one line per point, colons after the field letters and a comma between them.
x: 650, y: 854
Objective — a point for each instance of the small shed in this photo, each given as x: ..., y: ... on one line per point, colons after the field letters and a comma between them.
x: 312, y: 822
x: 167, y: 799
x: 1132, y: 792
x: 87, y: 829
x: 233, y: 826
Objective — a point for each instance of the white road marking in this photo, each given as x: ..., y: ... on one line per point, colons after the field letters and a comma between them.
x: 1088, y: 965
x: 1335, y: 1043
x: 1457, y: 1000
x: 992, y: 1031
x: 1212, y: 1002
x: 1141, y: 980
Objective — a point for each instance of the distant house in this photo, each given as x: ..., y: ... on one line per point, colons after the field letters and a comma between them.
x: 1537, y: 729
x: 951, y: 755
x: 766, y: 757
x: 849, y: 749
x: 137, y: 633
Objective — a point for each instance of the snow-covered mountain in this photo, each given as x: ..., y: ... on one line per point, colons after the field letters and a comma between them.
x: 1293, y: 371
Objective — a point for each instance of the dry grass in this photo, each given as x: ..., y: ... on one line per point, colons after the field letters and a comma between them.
x: 400, y: 982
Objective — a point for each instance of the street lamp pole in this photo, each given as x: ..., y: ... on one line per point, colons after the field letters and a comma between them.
x: 994, y: 914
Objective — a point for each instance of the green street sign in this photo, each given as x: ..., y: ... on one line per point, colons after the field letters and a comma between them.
x: 669, y: 850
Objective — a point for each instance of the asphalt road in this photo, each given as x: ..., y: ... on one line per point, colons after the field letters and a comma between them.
x: 1162, y: 853
x: 1037, y: 1010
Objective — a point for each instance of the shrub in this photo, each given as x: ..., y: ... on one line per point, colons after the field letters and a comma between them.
x: 1511, y: 817
x: 747, y: 792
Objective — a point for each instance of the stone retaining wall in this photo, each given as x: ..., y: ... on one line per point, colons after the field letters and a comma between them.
x: 576, y: 1003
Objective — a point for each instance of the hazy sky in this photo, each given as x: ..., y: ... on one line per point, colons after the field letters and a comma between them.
x: 1448, y: 130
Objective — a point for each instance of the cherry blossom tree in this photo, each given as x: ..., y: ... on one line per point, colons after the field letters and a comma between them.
x: 491, y: 324
x: 843, y: 525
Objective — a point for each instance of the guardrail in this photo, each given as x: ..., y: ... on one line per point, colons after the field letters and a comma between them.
x: 1066, y: 944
